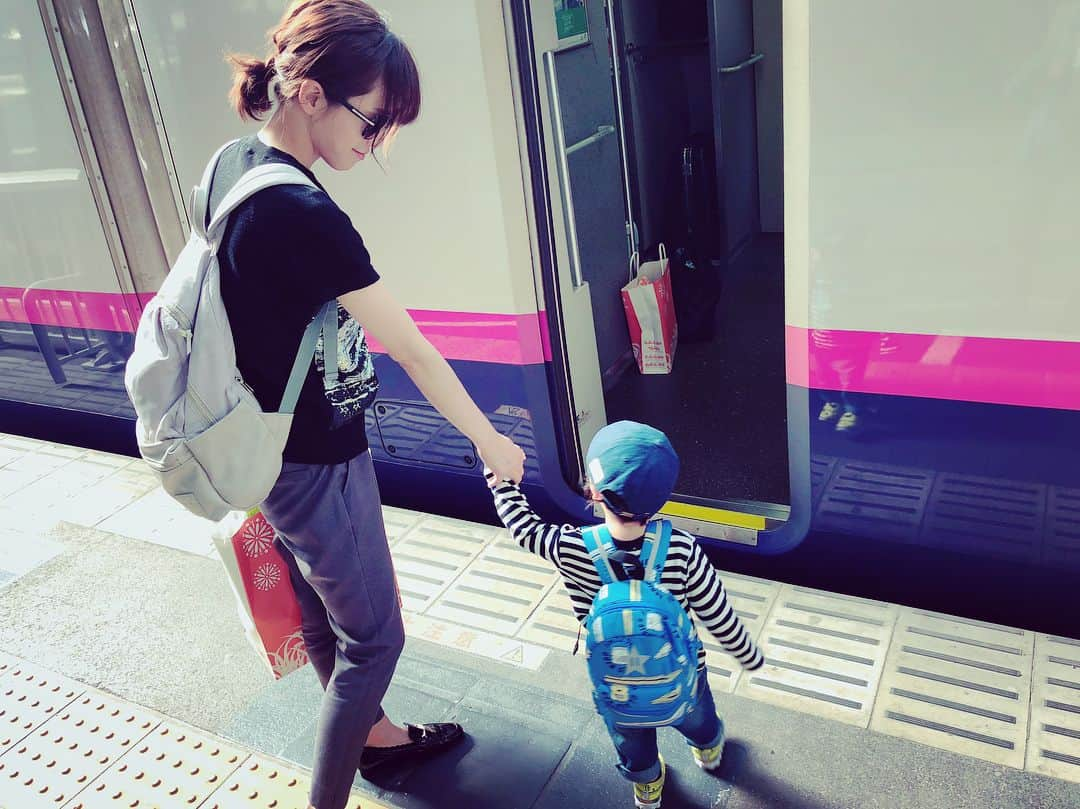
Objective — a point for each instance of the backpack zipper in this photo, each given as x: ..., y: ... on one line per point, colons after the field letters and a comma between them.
x: 188, y: 334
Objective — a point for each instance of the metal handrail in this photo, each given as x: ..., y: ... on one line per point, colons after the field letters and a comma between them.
x: 753, y: 59
x: 563, y: 169
x: 601, y: 132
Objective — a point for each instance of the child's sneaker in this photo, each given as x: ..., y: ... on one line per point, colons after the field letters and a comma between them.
x: 829, y: 412
x: 647, y: 796
x: 708, y: 758
x: 848, y: 422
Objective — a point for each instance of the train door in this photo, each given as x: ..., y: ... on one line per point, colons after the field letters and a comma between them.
x: 587, y: 193
x: 650, y: 118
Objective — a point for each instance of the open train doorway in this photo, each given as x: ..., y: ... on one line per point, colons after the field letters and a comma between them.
x: 662, y: 125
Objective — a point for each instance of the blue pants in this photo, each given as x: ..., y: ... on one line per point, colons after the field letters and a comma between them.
x: 330, y: 532
x: 639, y: 760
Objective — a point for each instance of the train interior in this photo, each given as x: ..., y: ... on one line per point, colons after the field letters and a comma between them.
x: 700, y: 89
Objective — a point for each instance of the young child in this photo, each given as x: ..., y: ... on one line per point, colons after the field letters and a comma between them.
x: 632, y: 470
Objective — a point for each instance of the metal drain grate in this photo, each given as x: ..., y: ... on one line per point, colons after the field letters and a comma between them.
x: 890, y: 499
x: 1054, y: 743
x: 957, y: 684
x: 987, y: 516
x: 432, y: 555
x: 824, y: 654
x: 752, y: 599
x: 59, y: 759
x: 498, y: 591
x: 171, y: 766
x: 1063, y: 528
x: 29, y: 697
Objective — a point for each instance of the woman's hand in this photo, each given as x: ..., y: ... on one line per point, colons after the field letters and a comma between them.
x: 503, y: 457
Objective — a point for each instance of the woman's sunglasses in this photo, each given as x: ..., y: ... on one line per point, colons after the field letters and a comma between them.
x: 373, y: 128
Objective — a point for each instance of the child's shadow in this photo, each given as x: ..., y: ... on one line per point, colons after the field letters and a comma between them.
x: 737, y: 774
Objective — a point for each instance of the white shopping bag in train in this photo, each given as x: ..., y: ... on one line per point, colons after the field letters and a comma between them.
x: 650, y: 314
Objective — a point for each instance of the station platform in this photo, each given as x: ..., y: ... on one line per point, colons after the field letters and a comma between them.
x: 126, y: 681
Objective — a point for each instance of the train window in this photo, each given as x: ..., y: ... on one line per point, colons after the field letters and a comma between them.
x: 65, y: 328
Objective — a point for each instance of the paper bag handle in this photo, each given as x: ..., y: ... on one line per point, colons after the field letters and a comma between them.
x: 635, y: 261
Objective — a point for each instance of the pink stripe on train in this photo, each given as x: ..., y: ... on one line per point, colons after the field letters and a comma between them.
x: 1029, y: 373
x: 475, y: 336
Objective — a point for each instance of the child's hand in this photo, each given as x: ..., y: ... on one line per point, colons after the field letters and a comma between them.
x: 756, y: 663
x: 505, y: 458
x: 490, y: 478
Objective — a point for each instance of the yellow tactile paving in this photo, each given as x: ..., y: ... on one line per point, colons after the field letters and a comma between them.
x: 29, y: 697
x: 262, y: 782
x: 172, y: 766
x: 497, y: 591
x: 752, y: 599
x: 957, y: 684
x: 98, y: 751
x: 432, y: 554
x: 1054, y: 743
x: 62, y: 757
x: 399, y: 522
x: 824, y: 654
x: 553, y: 623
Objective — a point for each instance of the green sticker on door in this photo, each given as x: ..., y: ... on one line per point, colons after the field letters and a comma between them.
x: 571, y: 21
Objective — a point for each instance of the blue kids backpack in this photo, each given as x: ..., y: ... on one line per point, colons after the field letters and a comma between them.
x: 641, y: 646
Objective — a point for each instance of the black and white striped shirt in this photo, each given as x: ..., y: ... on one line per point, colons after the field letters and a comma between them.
x: 688, y: 574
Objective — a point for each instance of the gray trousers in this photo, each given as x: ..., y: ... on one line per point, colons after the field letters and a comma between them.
x: 330, y: 532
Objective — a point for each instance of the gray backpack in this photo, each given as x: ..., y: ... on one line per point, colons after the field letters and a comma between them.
x: 199, y: 427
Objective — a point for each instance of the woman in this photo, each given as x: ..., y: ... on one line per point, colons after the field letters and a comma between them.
x: 337, y: 85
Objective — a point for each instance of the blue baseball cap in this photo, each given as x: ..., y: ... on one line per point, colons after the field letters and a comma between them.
x: 634, y: 467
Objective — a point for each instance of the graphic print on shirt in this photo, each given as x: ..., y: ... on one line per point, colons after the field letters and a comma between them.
x: 353, y: 388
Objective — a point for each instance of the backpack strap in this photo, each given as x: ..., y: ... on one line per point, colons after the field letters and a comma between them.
x: 597, y: 545
x: 654, y: 549
x: 200, y: 194
x: 253, y: 181
x: 304, y: 355
x: 330, y: 346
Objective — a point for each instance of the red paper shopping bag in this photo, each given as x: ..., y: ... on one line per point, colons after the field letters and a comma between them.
x: 650, y: 314
x: 265, y: 597
x: 264, y: 594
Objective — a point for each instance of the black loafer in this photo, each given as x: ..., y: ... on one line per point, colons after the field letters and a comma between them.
x: 425, y: 739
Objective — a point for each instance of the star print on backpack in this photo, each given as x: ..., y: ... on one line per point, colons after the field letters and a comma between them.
x: 641, y: 646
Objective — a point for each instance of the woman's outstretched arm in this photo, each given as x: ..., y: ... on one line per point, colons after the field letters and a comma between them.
x: 379, y: 312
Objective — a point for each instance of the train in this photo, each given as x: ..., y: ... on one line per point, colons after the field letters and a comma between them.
x: 864, y: 209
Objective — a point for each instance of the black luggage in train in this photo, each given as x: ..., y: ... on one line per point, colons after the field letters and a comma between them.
x: 696, y: 264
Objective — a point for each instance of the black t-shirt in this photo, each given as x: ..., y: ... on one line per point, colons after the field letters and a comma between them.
x: 287, y: 250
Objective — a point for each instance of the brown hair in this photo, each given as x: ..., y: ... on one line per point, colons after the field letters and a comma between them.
x: 344, y: 45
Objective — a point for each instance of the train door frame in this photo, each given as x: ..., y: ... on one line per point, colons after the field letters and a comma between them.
x: 766, y: 529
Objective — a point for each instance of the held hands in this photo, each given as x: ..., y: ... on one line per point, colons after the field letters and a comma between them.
x: 503, y: 457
